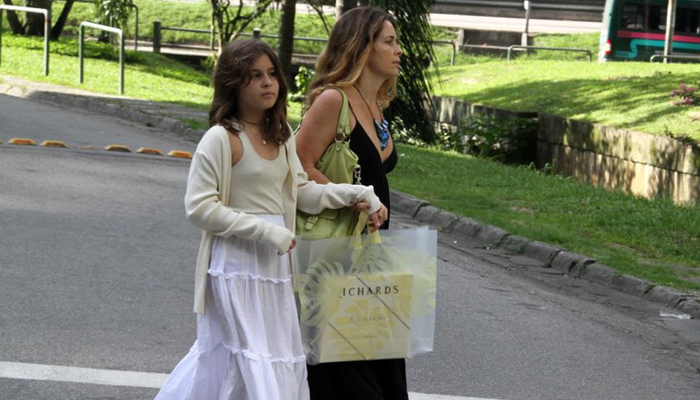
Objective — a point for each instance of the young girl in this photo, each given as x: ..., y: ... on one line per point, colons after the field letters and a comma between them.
x: 245, y: 183
x: 362, y: 58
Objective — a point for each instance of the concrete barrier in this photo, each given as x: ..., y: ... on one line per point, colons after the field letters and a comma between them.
x: 644, y: 164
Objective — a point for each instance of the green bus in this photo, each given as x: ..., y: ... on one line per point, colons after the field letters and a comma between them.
x: 636, y: 29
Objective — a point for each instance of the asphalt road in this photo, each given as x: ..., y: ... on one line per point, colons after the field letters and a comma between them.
x: 25, y: 118
x: 97, y: 268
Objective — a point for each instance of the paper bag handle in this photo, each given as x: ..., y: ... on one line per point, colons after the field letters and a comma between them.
x: 362, y: 222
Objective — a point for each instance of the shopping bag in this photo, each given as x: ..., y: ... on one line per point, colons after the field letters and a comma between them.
x: 367, y: 297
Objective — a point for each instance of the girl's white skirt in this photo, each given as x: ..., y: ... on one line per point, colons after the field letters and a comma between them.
x: 248, y: 344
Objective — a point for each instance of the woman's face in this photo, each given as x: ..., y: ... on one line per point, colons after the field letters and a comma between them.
x: 261, y: 92
x: 386, y: 53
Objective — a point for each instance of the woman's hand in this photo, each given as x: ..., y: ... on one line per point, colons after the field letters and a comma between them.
x: 378, y: 218
x: 291, y: 246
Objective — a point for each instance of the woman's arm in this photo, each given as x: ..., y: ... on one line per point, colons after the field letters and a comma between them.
x: 313, y: 197
x: 205, y: 210
x: 317, y: 132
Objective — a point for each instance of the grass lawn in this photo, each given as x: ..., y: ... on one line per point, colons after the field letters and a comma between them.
x: 633, y: 95
x: 147, y: 76
x: 655, y: 240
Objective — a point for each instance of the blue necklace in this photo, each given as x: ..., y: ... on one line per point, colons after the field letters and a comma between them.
x: 382, y: 127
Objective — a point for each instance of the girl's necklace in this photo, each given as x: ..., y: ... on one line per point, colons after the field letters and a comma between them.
x: 381, y: 127
x: 251, y: 125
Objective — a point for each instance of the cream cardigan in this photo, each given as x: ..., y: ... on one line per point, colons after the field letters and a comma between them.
x: 206, y: 202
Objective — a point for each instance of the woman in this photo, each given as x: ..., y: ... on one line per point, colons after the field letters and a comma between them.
x: 362, y: 58
x: 244, y: 185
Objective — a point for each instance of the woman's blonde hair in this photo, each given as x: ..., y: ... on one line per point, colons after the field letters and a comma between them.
x: 348, y: 51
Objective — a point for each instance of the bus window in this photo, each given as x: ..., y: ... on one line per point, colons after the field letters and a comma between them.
x: 632, y: 16
x: 656, y: 18
x: 688, y: 20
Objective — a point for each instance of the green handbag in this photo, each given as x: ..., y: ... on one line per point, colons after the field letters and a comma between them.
x: 339, y: 164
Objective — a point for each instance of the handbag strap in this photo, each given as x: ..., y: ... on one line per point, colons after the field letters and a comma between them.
x: 343, y: 128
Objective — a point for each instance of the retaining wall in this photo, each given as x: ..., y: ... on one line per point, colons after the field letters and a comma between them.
x: 648, y: 165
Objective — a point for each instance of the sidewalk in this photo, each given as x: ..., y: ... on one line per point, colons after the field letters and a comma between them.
x: 492, y: 244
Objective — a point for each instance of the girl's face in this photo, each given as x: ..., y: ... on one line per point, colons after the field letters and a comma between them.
x: 260, y: 94
x: 386, y: 53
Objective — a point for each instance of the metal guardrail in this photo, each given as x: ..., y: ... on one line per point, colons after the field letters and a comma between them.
x: 519, y: 5
x: 484, y: 47
x: 454, y: 49
x: 121, y: 49
x: 517, y: 46
x: 674, y: 56
x: 567, y: 7
x: 47, y: 28
x: 157, y: 28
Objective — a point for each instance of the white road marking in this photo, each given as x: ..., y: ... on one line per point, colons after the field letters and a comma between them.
x: 40, y: 372
x: 59, y: 373
x: 424, y: 396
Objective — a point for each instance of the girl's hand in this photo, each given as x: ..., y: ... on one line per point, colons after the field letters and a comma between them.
x: 291, y: 246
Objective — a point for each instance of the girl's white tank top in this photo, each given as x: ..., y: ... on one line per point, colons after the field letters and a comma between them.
x: 257, y: 183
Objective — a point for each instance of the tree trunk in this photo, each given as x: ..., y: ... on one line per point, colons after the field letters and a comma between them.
x: 343, y: 6
x: 217, y: 17
x: 15, y: 24
x: 286, y: 45
x: 35, y: 22
x: 61, y: 22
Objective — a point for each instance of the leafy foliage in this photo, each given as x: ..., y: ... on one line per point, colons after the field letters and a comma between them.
x: 301, y: 81
x: 230, y: 21
x: 114, y: 12
x: 688, y: 95
x: 509, y: 140
x: 410, y: 111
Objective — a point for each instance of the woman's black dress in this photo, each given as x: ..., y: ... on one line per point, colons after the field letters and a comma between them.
x: 363, y: 380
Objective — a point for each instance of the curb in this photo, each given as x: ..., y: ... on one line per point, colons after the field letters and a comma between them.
x: 571, y: 264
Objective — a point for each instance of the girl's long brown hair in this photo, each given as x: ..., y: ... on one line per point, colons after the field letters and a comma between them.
x: 232, y: 73
x: 348, y: 51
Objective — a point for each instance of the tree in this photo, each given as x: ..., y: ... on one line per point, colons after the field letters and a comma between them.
x: 61, y: 21
x: 15, y: 24
x: 317, y: 5
x: 230, y: 21
x: 286, y: 45
x: 411, y: 111
x: 114, y: 12
x: 343, y: 6
x: 33, y: 24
